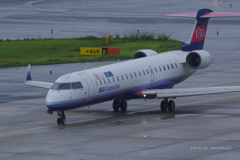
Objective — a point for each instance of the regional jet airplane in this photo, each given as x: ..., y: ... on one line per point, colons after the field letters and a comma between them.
x: 148, y: 75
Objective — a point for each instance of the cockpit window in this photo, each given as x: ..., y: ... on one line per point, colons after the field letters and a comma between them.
x: 65, y: 86
x: 55, y: 86
x: 76, y: 85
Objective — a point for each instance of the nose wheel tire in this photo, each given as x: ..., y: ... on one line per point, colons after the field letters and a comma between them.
x: 61, y: 119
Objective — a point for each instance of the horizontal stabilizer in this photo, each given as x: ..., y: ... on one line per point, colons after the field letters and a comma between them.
x: 206, y: 15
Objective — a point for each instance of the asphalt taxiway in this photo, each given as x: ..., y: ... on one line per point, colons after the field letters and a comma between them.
x: 202, y: 127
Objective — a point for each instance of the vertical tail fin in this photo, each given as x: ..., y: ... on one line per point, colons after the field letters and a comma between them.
x: 197, y: 38
x: 28, y: 78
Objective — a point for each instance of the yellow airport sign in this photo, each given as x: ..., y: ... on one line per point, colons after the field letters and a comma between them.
x: 91, y: 51
x: 111, y: 38
x: 107, y: 39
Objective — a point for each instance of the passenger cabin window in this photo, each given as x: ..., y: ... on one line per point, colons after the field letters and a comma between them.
x: 77, y: 85
x: 113, y: 79
x: 151, y: 70
x: 172, y: 66
x: 109, y: 80
x: 65, y: 86
x: 139, y: 73
x: 122, y: 77
x: 168, y: 67
x: 147, y: 71
x: 104, y: 81
x: 131, y: 75
x: 155, y: 69
x: 176, y: 65
x: 160, y: 69
x: 143, y: 72
x: 126, y: 76
x: 100, y: 81
x: 164, y: 68
x: 96, y: 83
x: 117, y: 78
x: 135, y: 74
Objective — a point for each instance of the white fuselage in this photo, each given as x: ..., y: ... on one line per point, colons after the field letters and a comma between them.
x: 122, y: 80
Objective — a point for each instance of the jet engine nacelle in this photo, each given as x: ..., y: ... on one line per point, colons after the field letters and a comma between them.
x: 144, y: 53
x: 198, y: 59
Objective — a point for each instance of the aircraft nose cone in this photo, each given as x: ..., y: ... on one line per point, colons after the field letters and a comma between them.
x: 50, y: 99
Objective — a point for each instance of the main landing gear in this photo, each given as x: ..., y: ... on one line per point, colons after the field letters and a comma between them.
x: 61, y: 119
x: 119, y: 103
x: 167, y: 105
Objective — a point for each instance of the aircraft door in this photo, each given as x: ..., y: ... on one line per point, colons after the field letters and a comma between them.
x: 88, y: 83
x: 151, y: 72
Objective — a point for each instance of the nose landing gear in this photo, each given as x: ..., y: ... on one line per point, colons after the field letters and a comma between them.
x: 61, y: 119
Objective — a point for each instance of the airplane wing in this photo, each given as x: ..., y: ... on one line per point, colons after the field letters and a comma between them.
x: 180, y: 92
x: 39, y: 84
x: 29, y: 81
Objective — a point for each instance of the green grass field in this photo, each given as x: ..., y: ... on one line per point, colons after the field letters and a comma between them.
x: 55, y: 51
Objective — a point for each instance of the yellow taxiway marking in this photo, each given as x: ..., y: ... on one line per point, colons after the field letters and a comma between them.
x: 10, y: 110
x: 30, y: 4
x: 24, y: 130
x: 215, y: 4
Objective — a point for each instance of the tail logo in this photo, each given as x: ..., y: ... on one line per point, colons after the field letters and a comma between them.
x: 200, y: 33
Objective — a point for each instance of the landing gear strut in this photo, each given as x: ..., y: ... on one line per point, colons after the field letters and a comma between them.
x: 61, y: 119
x: 167, y: 105
x: 119, y: 103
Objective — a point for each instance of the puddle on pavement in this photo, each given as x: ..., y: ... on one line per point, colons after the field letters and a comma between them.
x: 168, y: 118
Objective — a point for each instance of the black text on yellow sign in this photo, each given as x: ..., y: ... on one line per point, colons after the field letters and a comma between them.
x: 91, y: 51
x: 99, y: 51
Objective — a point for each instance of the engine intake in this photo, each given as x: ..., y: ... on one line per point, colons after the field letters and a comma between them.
x: 198, y: 59
x: 144, y: 53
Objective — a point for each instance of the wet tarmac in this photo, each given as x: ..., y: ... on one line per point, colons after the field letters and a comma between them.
x: 202, y: 127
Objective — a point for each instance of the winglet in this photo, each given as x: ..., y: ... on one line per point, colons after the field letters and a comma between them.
x: 28, y: 78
